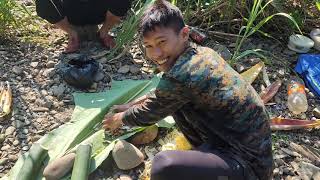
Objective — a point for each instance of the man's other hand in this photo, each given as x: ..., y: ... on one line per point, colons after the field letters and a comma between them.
x: 112, y: 122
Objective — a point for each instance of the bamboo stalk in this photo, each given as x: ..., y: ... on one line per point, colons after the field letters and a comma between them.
x: 82, y: 163
x: 32, y: 163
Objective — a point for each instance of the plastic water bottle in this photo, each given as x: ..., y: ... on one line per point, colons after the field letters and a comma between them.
x: 297, y: 100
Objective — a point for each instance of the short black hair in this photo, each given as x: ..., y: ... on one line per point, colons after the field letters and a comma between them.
x: 161, y: 14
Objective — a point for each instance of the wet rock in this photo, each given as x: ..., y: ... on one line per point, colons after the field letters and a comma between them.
x: 124, y: 69
x: 126, y: 155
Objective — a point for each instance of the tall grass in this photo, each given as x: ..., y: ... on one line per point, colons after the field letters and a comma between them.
x: 12, y: 17
x: 129, y: 27
x: 252, y: 26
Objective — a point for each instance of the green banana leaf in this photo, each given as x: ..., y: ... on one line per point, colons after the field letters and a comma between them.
x: 85, y: 124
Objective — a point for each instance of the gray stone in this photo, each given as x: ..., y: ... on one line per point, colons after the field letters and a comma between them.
x: 3, y: 161
x: 17, y: 70
x: 15, y: 142
x: 58, y: 90
x: 223, y: 51
x: 48, y: 72
x: 50, y: 64
x: 13, y: 157
x: 138, y: 61
x: 40, y: 109
x: 308, y: 171
x: 34, y: 64
x: 5, y: 148
x: 25, y: 131
x: 25, y: 148
x: 134, y: 69
x: 239, y: 67
x: 99, y: 76
x: 44, y: 92
x: 18, y: 124
x: 124, y: 177
x: 9, y: 130
x: 2, y: 138
x: 126, y: 155
x: 316, y: 112
x: 108, y: 68
x: 124, y: 69
x: 289, y: 52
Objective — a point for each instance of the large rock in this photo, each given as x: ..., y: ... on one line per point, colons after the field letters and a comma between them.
x: 146, y: 136
x: 124, y: 69
x: 126, y: 155
x: 9, y: 130
x: 58, y: 168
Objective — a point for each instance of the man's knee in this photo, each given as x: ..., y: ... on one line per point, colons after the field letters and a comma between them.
x: 50, y: 10
x: 162, y: 164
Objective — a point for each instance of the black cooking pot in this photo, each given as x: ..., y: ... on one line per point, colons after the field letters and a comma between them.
x: 80, y: 72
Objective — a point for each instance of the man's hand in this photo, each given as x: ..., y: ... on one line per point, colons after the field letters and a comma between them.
x: 112, y: 121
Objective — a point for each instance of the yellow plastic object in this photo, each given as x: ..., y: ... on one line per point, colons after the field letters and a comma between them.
x: 179, y: 142
x: 5, y: 100
x: 182, y: 143
x: 251, y: 74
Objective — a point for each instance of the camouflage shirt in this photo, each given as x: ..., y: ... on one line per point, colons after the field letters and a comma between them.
x: 211, y: 103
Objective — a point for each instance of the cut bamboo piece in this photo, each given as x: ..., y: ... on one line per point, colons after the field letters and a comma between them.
x: 251, y: 74
x: 32, y: 163
x: 81, y: 165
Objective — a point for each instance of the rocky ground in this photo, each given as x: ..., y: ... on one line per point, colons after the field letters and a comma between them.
x: 43, y: 101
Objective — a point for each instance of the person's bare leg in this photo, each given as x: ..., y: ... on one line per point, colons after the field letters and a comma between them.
x: 73, y: 44
x: 109, y: 22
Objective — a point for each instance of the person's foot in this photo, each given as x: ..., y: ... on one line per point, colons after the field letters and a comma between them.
x: 107, y: 40
x: 73, y: 43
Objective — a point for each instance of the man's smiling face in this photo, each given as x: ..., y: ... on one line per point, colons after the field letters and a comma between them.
x: 164, y: 45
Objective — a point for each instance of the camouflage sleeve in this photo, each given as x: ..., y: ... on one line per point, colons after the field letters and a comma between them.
x: 165, y: 100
